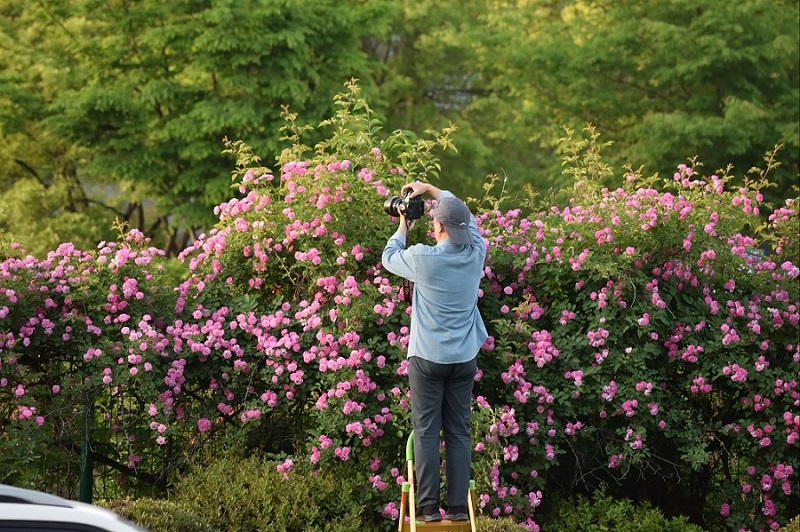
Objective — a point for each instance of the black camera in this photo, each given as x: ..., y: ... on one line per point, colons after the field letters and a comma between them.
x: 411, y: 208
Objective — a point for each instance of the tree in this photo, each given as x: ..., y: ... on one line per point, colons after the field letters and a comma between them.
x: 661, y: 81
x: 118, y: 108
x: 140, y: 96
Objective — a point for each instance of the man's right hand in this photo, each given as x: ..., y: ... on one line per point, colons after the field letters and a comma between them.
x: 418, y: 188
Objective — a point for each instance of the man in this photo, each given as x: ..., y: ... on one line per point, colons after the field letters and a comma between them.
x: 446, y: 333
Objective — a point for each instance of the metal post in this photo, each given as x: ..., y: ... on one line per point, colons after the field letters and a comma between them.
x: 87, y: 464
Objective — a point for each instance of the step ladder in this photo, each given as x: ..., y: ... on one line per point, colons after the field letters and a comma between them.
x: 408, y: 504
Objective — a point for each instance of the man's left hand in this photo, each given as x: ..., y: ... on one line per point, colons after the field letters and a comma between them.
x: 406, y: 225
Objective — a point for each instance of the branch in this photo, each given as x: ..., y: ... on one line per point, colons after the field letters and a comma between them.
x: 31, y: 171
x: 88, y: 201
x: 157, y: 481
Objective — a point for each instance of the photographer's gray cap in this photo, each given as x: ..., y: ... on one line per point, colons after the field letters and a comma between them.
x: 454, y: 215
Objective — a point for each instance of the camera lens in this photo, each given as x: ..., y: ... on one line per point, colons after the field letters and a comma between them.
x: 393, y: 206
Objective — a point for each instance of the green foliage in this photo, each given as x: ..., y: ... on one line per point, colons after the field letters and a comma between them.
x: 602, y: 513
x: 129, y: 102
x: 662, y: 80
x: 792, y: 526
x: 158, y: 515
x: 248, y: 494
x: 139, y: 97
x: 55, y: 222
x: 502, y: 524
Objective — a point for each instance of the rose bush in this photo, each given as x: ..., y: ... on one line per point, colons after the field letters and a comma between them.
x: 647, y: 342
x: 644, y: 336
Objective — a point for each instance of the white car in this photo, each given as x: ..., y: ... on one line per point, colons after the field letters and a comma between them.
x: 23, y: 510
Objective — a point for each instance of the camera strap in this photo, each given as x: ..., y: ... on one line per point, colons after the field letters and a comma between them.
x: 408, y: 286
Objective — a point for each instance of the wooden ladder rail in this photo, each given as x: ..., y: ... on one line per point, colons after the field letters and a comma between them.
x: 408, y: 504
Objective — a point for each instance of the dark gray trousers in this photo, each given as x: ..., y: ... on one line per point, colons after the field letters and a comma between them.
x: 441, y: 395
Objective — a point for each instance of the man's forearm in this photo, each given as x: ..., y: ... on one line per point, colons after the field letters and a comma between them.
x: 403, y: 227
x: 433, y: 191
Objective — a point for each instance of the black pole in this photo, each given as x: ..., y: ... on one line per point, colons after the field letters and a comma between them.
x: 86, y: 454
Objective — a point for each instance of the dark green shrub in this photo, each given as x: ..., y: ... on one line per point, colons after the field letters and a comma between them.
x: 506, y: 524
x: 158, y: 515
x: 792, y: 526
x: 250, y: 494
x: 602, y: 513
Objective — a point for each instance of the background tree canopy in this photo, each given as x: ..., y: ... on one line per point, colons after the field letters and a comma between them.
x: 118, y: 109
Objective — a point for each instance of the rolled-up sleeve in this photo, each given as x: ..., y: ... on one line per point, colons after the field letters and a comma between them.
x: 477, y: 239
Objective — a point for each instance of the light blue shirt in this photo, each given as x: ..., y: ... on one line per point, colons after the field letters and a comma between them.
x: 446, y: 326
